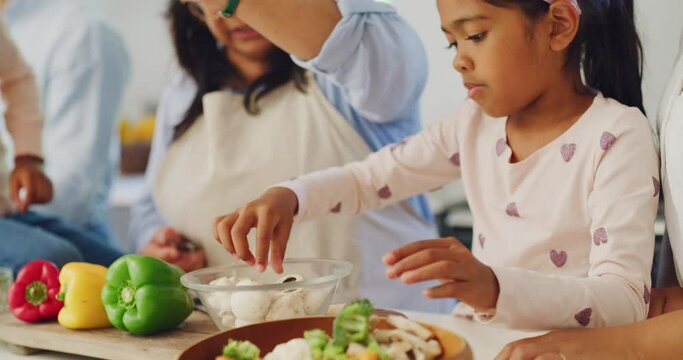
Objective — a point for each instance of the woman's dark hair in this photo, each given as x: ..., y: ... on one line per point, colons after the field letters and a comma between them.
x: 607, y: 47
x: 206, y: 62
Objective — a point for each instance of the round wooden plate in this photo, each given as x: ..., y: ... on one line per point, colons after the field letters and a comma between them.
x: 269, y: 334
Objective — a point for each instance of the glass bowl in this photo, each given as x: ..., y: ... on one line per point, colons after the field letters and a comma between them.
x: 238, y: 295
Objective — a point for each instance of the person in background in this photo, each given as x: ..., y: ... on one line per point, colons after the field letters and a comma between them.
x: 81, y: 68
x: 25, y: 235
x: 270, y: 96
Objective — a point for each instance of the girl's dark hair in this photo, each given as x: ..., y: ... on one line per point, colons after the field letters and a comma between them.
x: 607, y: 47
x: 205, y: 61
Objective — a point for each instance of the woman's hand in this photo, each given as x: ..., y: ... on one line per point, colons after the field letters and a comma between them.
x: 664, y: 301
x: 168, y: 245
x: 447, y: 260
x: 29, y: 176
x: 585, y: 344
x: 272, y: 215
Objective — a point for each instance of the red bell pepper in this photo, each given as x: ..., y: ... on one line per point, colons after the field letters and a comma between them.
x: 33, y: 296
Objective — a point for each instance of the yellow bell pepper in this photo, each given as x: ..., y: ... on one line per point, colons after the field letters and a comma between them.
x: 81, y: 290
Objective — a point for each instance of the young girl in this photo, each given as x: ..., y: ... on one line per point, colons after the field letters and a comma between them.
x: 561, y: 174
x: 660, y: 336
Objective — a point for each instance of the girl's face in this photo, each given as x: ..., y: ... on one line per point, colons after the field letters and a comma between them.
x: 235, y: 35
x: 505, y: 59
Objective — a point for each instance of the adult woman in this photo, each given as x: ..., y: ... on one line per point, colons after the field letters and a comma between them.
x: 246, y: 115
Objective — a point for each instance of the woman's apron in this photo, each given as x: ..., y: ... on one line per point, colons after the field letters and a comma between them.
x: 229, y: 157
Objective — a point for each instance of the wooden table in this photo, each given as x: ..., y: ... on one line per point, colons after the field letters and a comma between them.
x: 104, y: 343
x: 485, y: 341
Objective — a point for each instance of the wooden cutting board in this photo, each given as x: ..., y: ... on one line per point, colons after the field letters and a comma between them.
x: 105, y: 343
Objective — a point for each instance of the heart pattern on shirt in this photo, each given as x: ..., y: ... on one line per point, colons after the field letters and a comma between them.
x: 600, y: 236
x: 482, y: 240
x: 337, y: 208
x: 511, y: 210
x: 384, y: 193
x: 500, y: 146
x: 646, y: 295
x: 568, y: 151
x: 583, y: 317
x: 455, y: 159
x: 607, y: 140
x: 559, y: 258
x: 658, y: 186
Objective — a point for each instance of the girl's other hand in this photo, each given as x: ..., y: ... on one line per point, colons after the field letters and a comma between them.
x: 448, y: 261
x: 170, y: 246
x: 666, y: 300
x: 272, y: 215
x: 587, y: 344
x: 29, y: 176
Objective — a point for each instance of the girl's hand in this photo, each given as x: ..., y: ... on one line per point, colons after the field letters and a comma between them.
x: 587, y: 344
x: 272, y: 215
x: 664, y: 301
x: 168, y: 245
x: 29, y: 176
x: 461, y: 275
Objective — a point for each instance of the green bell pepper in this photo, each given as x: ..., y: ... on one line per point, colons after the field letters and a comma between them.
x: 143, y: 295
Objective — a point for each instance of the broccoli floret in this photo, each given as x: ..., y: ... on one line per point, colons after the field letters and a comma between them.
x: 241, y: 350
x: 334, y: 352
x: 317, y: 340
x: 353, y: 323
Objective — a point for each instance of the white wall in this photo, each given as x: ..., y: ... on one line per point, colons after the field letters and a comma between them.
x: 146, y: 34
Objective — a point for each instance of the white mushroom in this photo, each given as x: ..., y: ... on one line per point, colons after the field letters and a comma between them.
x: 250, y: 306
x: 225, y: 281
x: 286, y: 307
x: 431, y: 349
x: 382, y: 336
x: 397, y: 351
x: 220, y: 300
x: 434, y: 348
x: 403, y: 323
x: 290, y: 278
x: 314, y: 300
x: 356, y: 349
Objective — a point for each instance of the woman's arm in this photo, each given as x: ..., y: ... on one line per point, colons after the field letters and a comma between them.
x: 654, y: 339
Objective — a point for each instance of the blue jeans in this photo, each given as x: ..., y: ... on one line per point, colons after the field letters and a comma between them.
x: 29, y: 236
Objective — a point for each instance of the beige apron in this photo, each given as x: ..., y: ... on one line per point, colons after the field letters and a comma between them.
x: 229, y: 157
